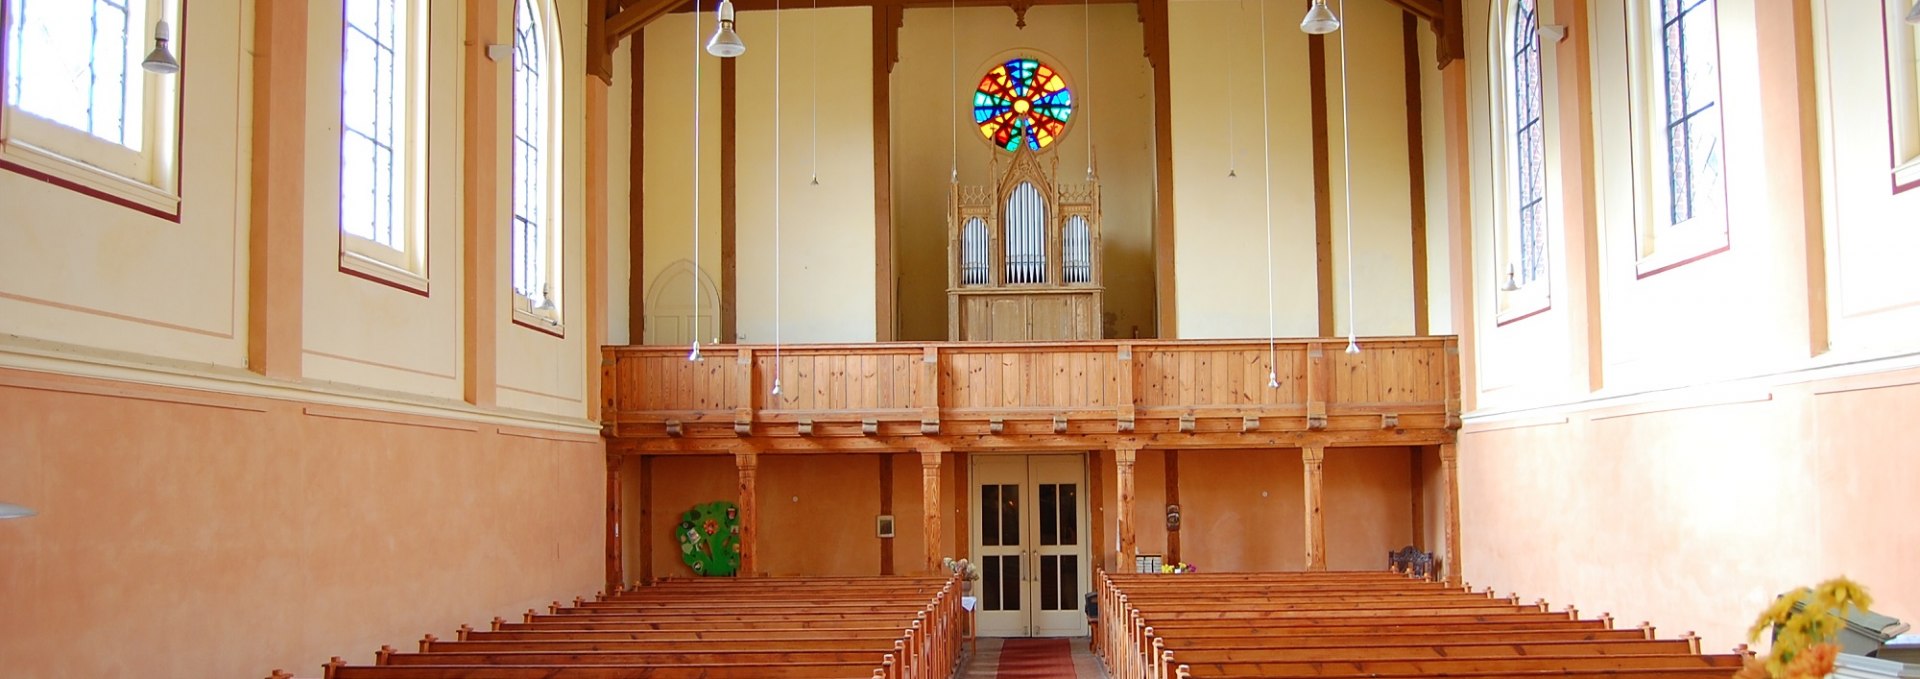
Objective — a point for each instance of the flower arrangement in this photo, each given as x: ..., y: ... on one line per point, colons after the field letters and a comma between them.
x: 1182, y: 567
x: 1803, y: 645
x: 966, y: 570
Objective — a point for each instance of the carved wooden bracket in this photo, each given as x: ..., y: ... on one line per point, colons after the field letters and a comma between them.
x: 1317, y: 421
x: 1249, y: 423
x: 674, y: 429
x: 1020, y: 8
x: 996, y: 425
x: 1059, y: 424
x: 869, y: 427
x: 1186, y: 423
x: 806, y: 426
x: 1389, y: 421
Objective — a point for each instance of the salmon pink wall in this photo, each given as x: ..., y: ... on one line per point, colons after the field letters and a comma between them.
x: 1694, y: 515
x: 192, y: 534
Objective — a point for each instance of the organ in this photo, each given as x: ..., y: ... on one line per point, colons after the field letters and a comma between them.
x: 1023, y: 254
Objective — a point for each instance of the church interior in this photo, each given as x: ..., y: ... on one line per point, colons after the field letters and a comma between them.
x: 328, y: 323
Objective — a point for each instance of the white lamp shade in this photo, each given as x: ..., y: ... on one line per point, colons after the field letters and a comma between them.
x: 1319, y: 19
x: 13, y: 511
x: 160, y: 60
x: 725, y: 42
x: 1913, y: 15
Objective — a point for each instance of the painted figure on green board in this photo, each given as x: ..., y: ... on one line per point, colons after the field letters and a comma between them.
x: 709, y: 537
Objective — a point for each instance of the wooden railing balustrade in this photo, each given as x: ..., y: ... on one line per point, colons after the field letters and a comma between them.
x: 1174, y: 393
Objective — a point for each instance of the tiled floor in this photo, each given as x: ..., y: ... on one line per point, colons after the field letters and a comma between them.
x: 985, y: 661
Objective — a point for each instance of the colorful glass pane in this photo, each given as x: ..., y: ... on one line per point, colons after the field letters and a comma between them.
x: 1022, y: 101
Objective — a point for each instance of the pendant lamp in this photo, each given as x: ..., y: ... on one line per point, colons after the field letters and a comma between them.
x: 725, y: 42
x: 161, y: 60
x: 1319, y: 19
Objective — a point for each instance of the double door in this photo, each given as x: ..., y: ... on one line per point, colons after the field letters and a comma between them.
x: 1030, y: 536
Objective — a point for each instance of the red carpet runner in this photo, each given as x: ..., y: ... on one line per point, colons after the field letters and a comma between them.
x: 1036, y: 659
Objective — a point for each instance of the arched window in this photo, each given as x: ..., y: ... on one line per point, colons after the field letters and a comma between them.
x: 973, y: 252
x: 77, y: 104
x: 1026, y: 227
x: 1022, y: 103
x: 382, y: 171
x: 534, y: 237
x: 1076, y: 247
x: 1528, y: 151
x: 1689, y: 53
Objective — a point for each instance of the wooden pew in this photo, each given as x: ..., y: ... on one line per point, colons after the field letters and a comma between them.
x: 798, y: 628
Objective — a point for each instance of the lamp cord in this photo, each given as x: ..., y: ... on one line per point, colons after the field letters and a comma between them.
x: 1266, y: 182
x: 777, y: 54
x: 697, y: 47
x: 1346, y: 154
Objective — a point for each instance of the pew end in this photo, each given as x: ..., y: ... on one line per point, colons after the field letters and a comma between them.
x: 464, y: 632
x: 426, y: 644
x: 497, y: 622
x: 381, y: 656
x: 280, y: 674
x: 332, y: 668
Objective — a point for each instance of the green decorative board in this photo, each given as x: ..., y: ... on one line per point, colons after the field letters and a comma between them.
x: 709, y: 537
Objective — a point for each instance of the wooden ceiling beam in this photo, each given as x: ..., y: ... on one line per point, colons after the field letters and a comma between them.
x: 637, y: 14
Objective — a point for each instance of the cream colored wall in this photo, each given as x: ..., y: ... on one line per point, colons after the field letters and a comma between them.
x: 925, y: 93
x: 78, y: 274
x: 538, y: 371
x: 351, y: 322
x: 1219, y: 221
x: 1726, y: 458
x: 1433, y: 139
x: 667, y: 213
x: 620, y: 213
x: 234, y: 499
x: 1875, y: 298
x: 1220, y: 225
x: 826, y: 257
x: 1382, y: 258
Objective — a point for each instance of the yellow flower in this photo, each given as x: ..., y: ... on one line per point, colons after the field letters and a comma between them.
x: 1839, y: 593
x: 1776, y: 614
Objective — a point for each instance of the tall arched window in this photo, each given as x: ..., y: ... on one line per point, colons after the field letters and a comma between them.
x: 535, y: 234
x: 76, y: 104
x: 1026, y: 227
x: 1529, y: 232
x: 1690, y: 69
x: 382, y: 168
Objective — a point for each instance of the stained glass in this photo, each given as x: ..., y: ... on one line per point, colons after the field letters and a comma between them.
x: 1022, y: 101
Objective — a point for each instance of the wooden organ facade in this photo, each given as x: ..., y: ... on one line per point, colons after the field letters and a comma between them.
x: 1024, y: 255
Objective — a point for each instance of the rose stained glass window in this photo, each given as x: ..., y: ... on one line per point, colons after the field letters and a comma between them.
x: 1020, y: 102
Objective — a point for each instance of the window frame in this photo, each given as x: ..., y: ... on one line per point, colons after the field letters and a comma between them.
x: 1534, y: 295
x: 1661, y: 247
x: 553, y: 84
x: 1903, y: 96
x: 362, y: 257
x: 147, y: 180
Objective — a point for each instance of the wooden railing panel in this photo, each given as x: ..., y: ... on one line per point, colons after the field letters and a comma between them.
x: 1386, y: 372
x: 1080, y: 386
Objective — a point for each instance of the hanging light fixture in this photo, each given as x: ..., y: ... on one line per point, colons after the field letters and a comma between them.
x: 1320, y: 20
x: 694, y: 354
x: 1266, y: 183
x: 1346, y: 156
x: 161, y: 60
x: 13, y: 511
x: 725, y: 44
x: 777, y: 283
x: 1913, y: 15
x: 1512, y: 283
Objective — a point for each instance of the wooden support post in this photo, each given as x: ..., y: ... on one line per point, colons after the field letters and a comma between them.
x: 646, y: 519
x: 1314, y: 456
x: 1450, y: 480
x: 276, y: 245
x: 616, y: 573
x: 886, y: 509
x: 749, y: 465
x: 1123, y: 476
x: 930, y: 461
x: 1418, y: 491
x: 1173, y: 501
